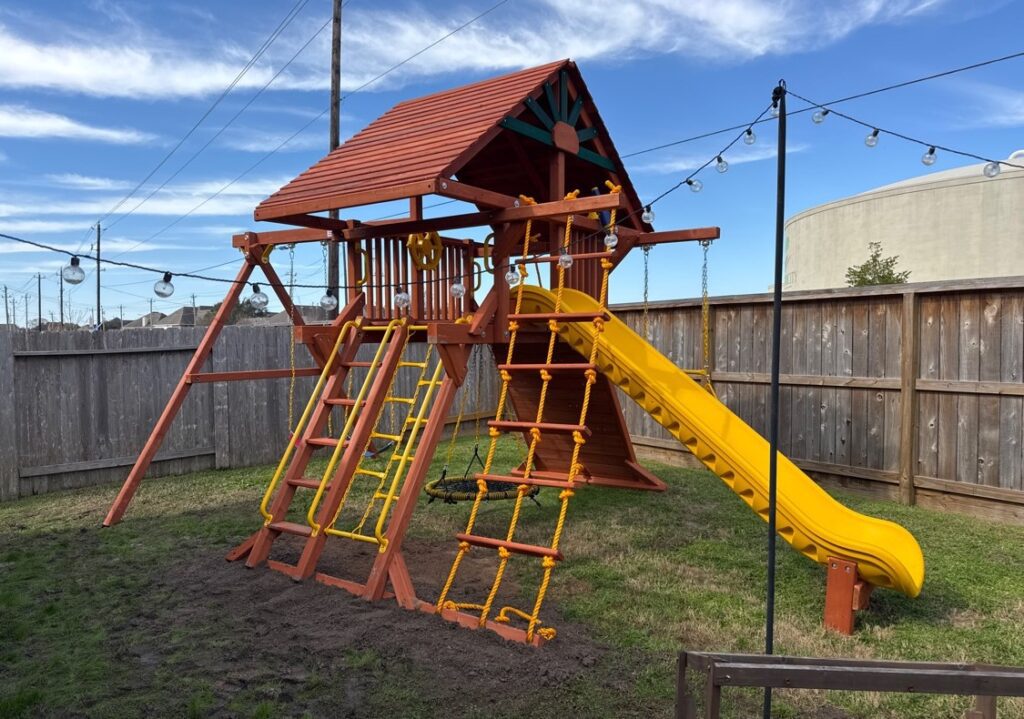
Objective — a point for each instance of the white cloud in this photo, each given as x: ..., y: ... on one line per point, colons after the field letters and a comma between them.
x: 993, y: 105
x: 27, y: 122
x: 135, y: 62
x: 85, y: 182
x: 738, y: 155
x: 262, y: 141
x: 44, y: 226
x: 175, y: 199
x: 120, y: 245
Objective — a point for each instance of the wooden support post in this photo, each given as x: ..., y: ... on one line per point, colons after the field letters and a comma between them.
x: 163, y: 425
x: 909, y: 340
x: 10, y: 480
x: 712, y: 695
x: 686, y: 705
x: 840, y: 595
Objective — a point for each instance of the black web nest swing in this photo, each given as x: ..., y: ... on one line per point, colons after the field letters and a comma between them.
x: 451, y: 488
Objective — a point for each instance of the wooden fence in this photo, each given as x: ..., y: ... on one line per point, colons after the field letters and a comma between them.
x: 913, y: 392
x: 910, y: 391
x: 77, y: 407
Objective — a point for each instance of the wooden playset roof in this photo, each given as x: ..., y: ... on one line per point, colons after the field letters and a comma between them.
x: 477, y: 142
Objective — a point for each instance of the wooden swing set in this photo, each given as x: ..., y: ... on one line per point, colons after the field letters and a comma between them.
x: 513, y: 147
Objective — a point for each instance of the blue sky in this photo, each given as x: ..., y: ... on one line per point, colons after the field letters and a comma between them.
x: 93, y: 94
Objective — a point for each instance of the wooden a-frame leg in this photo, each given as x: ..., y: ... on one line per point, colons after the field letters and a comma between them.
x: 163, y: 424
x: 844, y: 595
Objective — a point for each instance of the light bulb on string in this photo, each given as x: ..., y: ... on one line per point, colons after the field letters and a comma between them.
x: 695, y: 184
x: 611, y: 240
x: 819, y: 115
x: 648, y: 215
x: 329, y: 302
x: 749, y: 138
x: 872, y: 139
x: 991, y: 169
x: 775, y: 108
x: 512, y: 278
x: 721, y: 165
x: 73, y: 274
x: 164, y: 288
x: 564, y: 260
x: 402, y: 298
x: 929, y: 157
x: 458, y: 290
x: 259, y: 299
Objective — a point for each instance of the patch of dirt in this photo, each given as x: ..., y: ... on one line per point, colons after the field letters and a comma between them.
x: 257, y: 632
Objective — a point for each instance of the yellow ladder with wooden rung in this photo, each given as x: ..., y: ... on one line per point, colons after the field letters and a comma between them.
x: 401, y: 455
x: 350, y: 421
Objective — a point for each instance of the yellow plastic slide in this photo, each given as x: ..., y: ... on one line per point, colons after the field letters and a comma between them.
x: 817, y: 526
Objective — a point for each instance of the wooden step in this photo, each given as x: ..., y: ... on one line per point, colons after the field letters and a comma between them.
x: 527, y: 549
x: 535, y: 480
x: 563, y: 367
x: 323, y: 442
x: 308, y: 482
x: 510, y: 425
x: 560, y: 316
x: 342, y: 402
x: 559, y: 478
x: 299, y: 530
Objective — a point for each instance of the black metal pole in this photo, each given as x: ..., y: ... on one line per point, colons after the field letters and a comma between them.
x: 778, y: 99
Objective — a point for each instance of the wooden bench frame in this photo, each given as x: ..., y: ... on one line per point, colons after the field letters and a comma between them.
x: 985, y: 682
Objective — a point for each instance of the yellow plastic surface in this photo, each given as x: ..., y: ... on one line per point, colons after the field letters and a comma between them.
x: 815, y: 524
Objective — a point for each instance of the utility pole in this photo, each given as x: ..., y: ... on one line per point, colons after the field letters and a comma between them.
x: 26, y: 310
x: 150, y: 305
x: 39, y: 300
x: 7, y: 310
x: 194, y: 323
x: 120, y: 318
x: 60, y: 284
x: 99, y: 315
x: 335, y: 140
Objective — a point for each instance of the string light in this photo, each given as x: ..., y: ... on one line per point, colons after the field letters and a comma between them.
x: 164, y: 288
x: 458, y: 290
x: 72, y: 273
x: 259, y: 299
x: 991, y: 169
x: 329, y: 302
x: 928, y: 158
x: 819, y: 115
x: 775, y: 108
x: 402, y: 299
x: 721, y: 165
x: 611, y: 240
x: 749, y: 138
x: 565, y: 260
x: 648, y: 215
x: 872, y: 139
x: 695, y: 184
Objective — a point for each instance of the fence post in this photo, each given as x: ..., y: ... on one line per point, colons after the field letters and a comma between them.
x: 221, y: 407
x: 9, y: 479
x: 910, y: 331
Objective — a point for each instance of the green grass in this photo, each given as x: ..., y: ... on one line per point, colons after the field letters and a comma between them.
x: 646, y: 574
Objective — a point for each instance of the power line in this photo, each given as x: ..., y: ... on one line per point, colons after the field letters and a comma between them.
x: 299, y: 5
x: 224, y: 127
x: 309, y: 124
x: 848, y: 98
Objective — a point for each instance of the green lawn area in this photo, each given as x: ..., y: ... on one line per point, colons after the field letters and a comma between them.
x: 146, y: 619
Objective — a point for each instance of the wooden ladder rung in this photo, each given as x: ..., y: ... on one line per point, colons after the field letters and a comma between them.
x: 563, y: 367
x: 301, y: 530
x: 342, y: 401
x: 560, y: 316
x: 323, y: 441
x: 527, y: 549
x: 358, y: 363
x: 308, y: 482
x: 533, y: 480
x: 508, y: 425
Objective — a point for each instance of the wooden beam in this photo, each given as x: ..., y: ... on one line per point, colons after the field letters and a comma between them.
x: 456, y: 190
x: 691, y: 235
x: 278, y: 237
x: 200, y: 377
x: 279, y: 211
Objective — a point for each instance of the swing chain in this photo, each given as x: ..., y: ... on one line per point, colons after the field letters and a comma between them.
x: 646, y: 323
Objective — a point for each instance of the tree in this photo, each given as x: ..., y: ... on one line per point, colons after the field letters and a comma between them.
x: 244, y: 308
x: 877, y: 270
